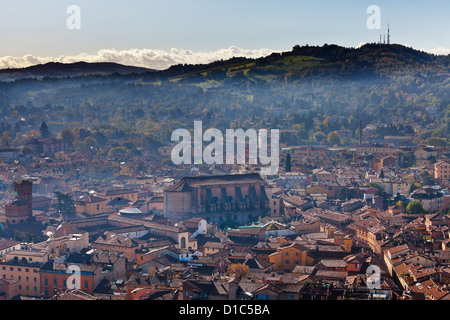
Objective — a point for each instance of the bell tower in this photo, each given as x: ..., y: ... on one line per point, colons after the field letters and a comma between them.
x: 24, y: 192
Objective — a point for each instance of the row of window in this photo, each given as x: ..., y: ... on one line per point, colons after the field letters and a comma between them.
x: 55, y: 282
x: 20, y: 269
x: 289, y: 261
x: 20, y: 278
x: 28, y: 288
x: 2, y: 253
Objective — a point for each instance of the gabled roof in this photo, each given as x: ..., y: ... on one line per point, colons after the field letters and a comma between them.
x: 398, y: 248
x: 180, y: 186
x: 294, y: 245
x: 334, y: 263
x: 110, y: 238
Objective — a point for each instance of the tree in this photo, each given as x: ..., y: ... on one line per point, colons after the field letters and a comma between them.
x: 319, y: 136
x: 334, y: 138
x: 238, y: 270
x: 415, y: 207
x: 400, y: 204
x: 288, y: 163
x: 43, y: 130
x: 65, y: 204
x: 26, y: 151
x: 346, y: 194
x: 68, y: 136
x: 119, y: 151
x: 436, y: 142
x: 426, y: 178
x: 5, y: 141
x: 377, y: 186
x: 413, y: 185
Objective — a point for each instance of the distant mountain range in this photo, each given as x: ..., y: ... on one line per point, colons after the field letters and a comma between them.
x: 310, y: 88
x: 306, y: 61
x: 60, y: 70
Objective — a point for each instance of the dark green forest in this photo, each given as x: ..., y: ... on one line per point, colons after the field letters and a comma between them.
x: 310, y: 93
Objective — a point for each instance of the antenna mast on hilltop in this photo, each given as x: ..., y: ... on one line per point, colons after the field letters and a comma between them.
x: 388, y: 36
x: 384, y: 37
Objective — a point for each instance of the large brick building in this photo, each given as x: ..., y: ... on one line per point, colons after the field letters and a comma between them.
x: 240, y: 197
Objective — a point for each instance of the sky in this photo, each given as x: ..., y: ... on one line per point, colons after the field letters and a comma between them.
x: 158, y: 33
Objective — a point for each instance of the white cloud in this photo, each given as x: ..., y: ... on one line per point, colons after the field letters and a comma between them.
x: 438, y: 50
x: 149, y: 58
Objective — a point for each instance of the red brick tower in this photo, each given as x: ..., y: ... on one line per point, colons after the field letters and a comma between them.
x: 21, y: 209
x: 24, y: 192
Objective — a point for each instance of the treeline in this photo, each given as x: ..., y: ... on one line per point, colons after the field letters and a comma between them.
x: 311, y: 92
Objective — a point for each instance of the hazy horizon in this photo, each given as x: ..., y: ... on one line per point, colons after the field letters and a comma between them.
x: 155, y: 59
x: 156, y: 34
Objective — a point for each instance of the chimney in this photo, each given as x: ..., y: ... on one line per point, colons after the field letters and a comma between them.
x: 232, y: 288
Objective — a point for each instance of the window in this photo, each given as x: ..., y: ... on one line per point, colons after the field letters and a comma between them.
x: 27, y: 270
x: 86, y: 284
x: 45, y: 281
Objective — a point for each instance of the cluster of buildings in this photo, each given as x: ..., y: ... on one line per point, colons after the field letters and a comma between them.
x: 321, y: 231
